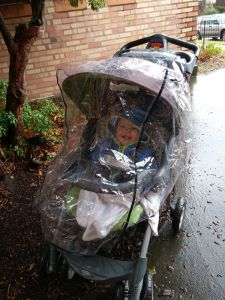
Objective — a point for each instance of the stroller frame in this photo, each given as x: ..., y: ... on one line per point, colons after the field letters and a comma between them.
x: 135, y: 281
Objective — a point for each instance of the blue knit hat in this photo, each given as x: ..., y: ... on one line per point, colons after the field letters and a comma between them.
x: 136, y: 115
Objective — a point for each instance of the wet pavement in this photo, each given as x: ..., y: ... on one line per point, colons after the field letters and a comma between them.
x: 192, y: 266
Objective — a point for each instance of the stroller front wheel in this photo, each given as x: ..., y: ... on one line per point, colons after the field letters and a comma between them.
x: 147, y: 288
x: 49, y: 259
x: 178, y: 215
x: 120, y: 292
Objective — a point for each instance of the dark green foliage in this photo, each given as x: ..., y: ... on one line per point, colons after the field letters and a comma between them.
x: 220, y: 9
x: 3, y: 90
x: 214, y: 10
x: 6, y: 119
x: 94, y: 4
x: 38, y: 118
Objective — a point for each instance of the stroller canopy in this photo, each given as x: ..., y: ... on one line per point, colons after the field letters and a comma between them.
x: 79, y: 80
x: 97, y: 95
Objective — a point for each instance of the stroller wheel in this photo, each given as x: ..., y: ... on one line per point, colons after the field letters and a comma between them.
x: 147, y: 288
x: 48, y: 259
x: 178, y: 215
x: 71, y: 273
x: 120, y: 292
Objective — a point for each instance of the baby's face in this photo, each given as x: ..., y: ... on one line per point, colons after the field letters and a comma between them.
x: 126, y: 132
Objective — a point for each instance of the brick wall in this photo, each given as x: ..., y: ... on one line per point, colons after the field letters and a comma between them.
x: 79, y: 35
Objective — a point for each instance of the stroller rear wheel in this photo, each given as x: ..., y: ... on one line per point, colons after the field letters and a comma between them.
x: 178, y: 215
x: 147, y: 288
x: 121, y: 292
x: 51, y: 260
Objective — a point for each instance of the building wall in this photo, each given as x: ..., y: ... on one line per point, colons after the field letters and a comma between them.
x: 78, y: 35
x: 220, y: 3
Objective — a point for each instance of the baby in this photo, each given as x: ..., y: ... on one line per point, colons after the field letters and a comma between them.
x: 125, y: 130
x: 99, y: 212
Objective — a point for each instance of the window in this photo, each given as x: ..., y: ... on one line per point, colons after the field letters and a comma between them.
x: 210, y: 22
x: 15, y: 8
x: 12, y: 2
x: 61, y: 6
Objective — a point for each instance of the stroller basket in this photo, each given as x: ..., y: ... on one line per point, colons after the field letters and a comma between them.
x: 100, y: 268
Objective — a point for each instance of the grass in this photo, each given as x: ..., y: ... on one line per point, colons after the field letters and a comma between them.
x: 211, y: 42
x: 210, y: 49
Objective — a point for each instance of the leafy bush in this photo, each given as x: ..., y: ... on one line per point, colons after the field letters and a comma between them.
x: 94, y: 4
x: 3, y: 90
x: 209, y: 51
x: 210, y: 11
x: 220, y: 9
x: 42, y: 117
x: 37, y: 118
x: 6, y: 119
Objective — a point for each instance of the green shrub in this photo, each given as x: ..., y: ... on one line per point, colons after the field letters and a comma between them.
x: 6, y: 119
x: 220, y: 9
x: 38, y: 118
x: 210, y: 11
x: 94, y: 4
x: 3, y: 90
x: 214, y: 10
x: 209, y: 51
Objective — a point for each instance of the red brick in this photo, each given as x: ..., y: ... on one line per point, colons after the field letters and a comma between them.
x: 61, y: 15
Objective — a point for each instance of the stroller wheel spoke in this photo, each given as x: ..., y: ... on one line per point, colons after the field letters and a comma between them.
x: 71, y: 273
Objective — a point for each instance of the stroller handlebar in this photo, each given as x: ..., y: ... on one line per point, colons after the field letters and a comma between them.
x: 165, y: 40
x: 160, y: 42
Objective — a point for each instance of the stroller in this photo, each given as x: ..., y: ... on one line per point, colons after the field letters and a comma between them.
x: 104, y: 184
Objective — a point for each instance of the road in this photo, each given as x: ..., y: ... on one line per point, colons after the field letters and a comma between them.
x: 192, y: 266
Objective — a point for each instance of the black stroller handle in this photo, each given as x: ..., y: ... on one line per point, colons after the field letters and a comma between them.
x: 185, y: 44
x: 145, y: 40
x: 165, y: 40
x: 160, y: 42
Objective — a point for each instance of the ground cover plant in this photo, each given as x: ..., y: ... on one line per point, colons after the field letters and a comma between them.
x: 212, y: 55
x: 42, y: 124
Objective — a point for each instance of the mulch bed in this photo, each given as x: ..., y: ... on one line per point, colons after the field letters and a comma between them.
x: 214, y: 63
x: 22, y: 243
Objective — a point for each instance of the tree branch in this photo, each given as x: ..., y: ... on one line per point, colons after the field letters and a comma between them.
x: 37, y: 7
x: 6, y: 34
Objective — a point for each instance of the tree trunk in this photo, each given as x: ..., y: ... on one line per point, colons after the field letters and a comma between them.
x: 16, y: 94
x: 19, y: 49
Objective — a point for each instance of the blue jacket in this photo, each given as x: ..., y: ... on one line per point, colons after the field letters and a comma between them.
x: 111, y: 144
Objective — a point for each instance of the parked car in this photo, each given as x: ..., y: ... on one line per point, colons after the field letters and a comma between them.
x: 212, y: 26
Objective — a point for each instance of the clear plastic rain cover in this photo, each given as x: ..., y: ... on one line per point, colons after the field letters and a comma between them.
x: 124, y: 145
